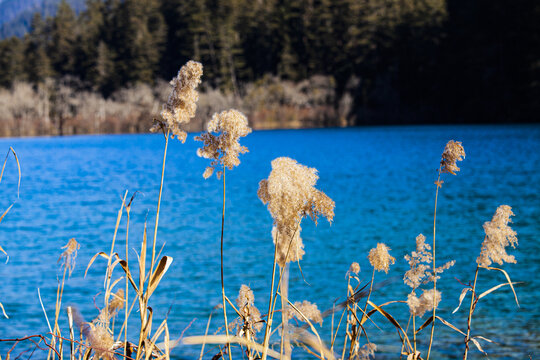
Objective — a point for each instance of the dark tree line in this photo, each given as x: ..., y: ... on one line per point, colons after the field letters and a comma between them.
x: 400, y: 60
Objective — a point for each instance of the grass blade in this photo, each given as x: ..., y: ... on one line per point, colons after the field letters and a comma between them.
x: 161, y: 269
x: 124, y: 266
x: 450, y: 326
x: 3, y: 311
x: 102, y: 254
x: 428, y: 321
x: 393, y: 321
x: 477, y: 344
x: 507, y: 278
x: 461, y: 297
x: 18, y: 167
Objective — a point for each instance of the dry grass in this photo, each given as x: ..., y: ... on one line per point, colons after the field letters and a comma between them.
x: 291, y: 196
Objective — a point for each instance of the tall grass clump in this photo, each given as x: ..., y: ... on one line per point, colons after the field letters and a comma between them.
x: 290, y: 195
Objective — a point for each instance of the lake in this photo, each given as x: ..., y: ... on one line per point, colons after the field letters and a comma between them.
x: 381, y: 179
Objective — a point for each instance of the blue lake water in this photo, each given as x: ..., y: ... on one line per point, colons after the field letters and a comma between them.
x: 381, y: 179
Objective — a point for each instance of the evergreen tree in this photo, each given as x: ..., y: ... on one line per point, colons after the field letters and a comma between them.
x: 11, y: 61
x: 63, y: 34
x: 91, y: 23
x: 138, y: 39
x: 291, y: 34
x: 37, y: 65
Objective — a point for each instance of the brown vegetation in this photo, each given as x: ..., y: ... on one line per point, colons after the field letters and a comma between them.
x: 60, y: 108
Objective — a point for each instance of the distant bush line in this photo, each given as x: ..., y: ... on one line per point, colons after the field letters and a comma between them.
x: 61, y: 107
x: 399, y: 61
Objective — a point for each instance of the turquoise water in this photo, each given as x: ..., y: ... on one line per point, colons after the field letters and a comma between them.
x: 380, y: 178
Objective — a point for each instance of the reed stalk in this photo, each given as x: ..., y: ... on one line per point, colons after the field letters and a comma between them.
x: 268, y: 328
x: 414, y: 334
x: 369, y: 294
x: 126, y: 298
x: 471, y: 311
x: 58, y: 305
x: 221, y: 269
x: 434, y: 266
x: 152, y: 261
x: 285, y: 346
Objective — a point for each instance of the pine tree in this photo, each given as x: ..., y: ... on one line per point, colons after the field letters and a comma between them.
x: 37, y: 65
x: 91, y: 23
x: 63, y: 35
x: 138, y: 39
x: 11, y: 61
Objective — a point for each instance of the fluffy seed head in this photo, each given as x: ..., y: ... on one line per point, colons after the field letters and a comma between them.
x: 288, y: 249
x: 245, y: 296
x: 291, y: 195
x: 420, y: 271
x: 182, y: 102
x: 453, y: 152
x: 224, y: 148
x: 70, y: 254
x: 380, y: 258
x: 498, y: 236
x: 418, y: 262
x: 426, y: 302
x: 367, y: 351
x: 250, y: 323
x: 116, y: 303
x: 354, y: 268
x: 309, y: 310
x: 101, y: 341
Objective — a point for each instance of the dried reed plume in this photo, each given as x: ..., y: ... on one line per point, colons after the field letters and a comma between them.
x: 420, y: 271
x: 224, y: 148
x: 117, y: 302
x: 380, y: 258
x: 291, y: 195
x: 498, y: 236
x: 309, y: 310
x: 288, y: 249
x: 354, y: 268
x: 98, y: 335
x: 367, y: 351
x: 182, y: 102
x: 453, y: 152
x: 428, y: 299
x: 250, y: 323
x: 418, y: 262
x: 101, y: 341
x: 70, y: 254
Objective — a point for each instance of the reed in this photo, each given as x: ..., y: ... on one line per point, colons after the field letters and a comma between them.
x: 290, y: 195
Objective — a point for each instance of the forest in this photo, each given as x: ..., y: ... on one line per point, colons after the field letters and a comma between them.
x: 291, y: 63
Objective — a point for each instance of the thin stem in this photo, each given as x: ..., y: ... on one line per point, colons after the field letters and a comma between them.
x: 350, y: 294
x: 268, y: 328
x: 414, y: 334
x: 222, y: 281
x: 273, y: 296
x: 59, y: 292
x: 127, y: 281
x: 159, y: 202
x: 471, y: 310
x: 205, y: 334
x: 369, y: 294
x: 108, y: 273
x: 434, y: 266
x: 285, y: 348
x: 403, y: 340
